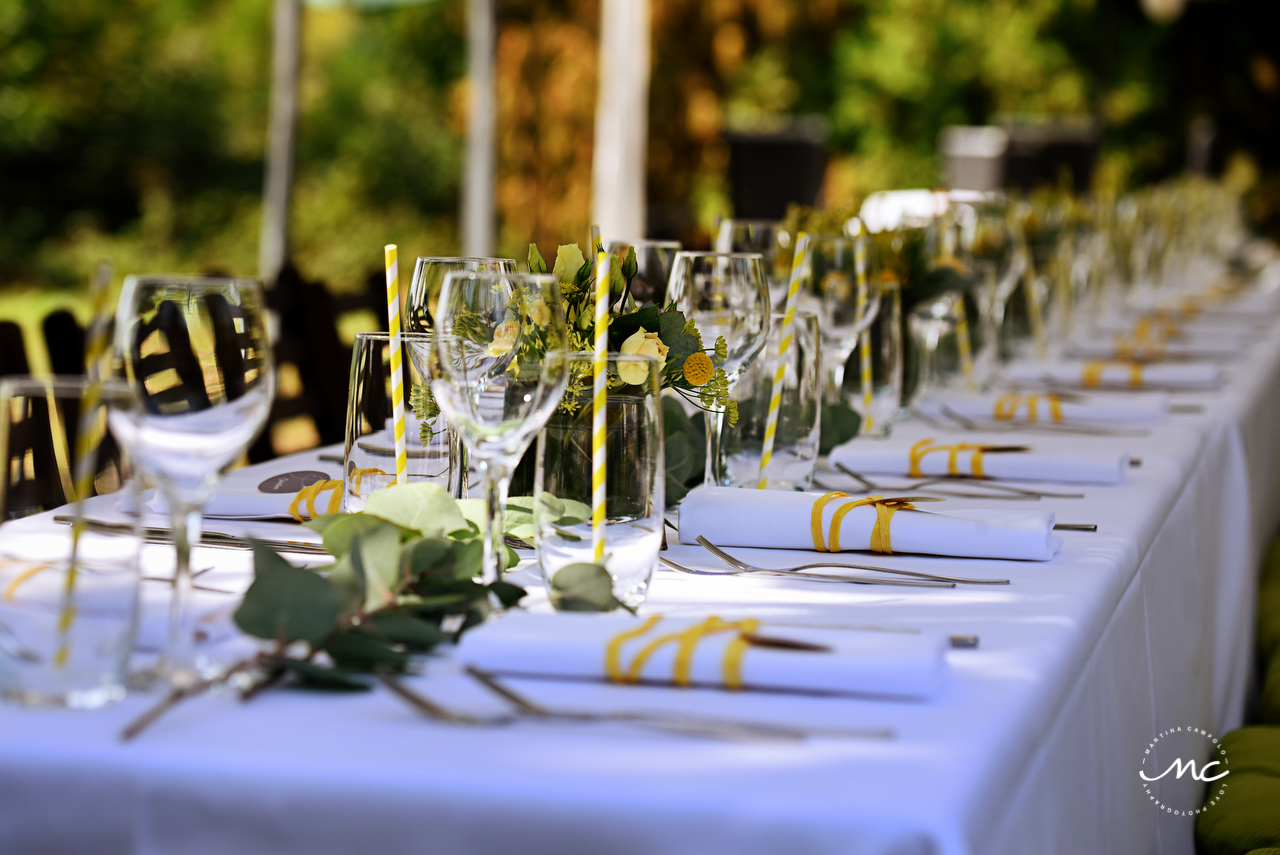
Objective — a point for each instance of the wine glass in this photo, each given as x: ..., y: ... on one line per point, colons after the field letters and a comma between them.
x: 428, y: 279
x: 771, y: 239
x: 653, y: 267
x: 726, y: 294
x: 195, y: 352
x: 498, y: 371
x: 844, y: 292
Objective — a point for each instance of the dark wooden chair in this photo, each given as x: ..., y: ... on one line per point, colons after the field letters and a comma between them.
x: 64, y: 342
x: 13, y: 353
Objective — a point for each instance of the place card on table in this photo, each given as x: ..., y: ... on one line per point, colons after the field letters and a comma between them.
x: 708, y: 651
x: 729, y: 516
x: 928, y: 459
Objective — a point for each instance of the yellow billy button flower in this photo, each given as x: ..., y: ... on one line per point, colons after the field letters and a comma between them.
x: 698, y: 368
x: 641, y: 343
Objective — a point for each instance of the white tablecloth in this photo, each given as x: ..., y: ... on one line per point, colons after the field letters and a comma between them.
x: 1033, y: 746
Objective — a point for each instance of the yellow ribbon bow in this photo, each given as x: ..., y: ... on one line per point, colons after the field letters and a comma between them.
x: 885, y: 509
x: 1007, y: 406
x: 1092, y: 376
x: 926, y: 446
x: 687, y: 641
x: 309, y: 494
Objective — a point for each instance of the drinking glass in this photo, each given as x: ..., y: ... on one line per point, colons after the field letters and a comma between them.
x: 499, y: 372
x: 370, y: 453
x: 428, y: 278
x: 844, y: 291
x: 937, y: 334
x: 68, y: 572
x: 771, y: 239
x: 653, y: 267
x: 635, y: 477
x: 795, y: 441
x: 194, y: 350
x: 726, y: 294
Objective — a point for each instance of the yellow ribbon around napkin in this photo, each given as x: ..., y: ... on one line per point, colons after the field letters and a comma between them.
x: 1092, y: 375
x: 687, y: 641
x: 309, y: 493
x: 885, y: 509
x: 926, y: 446
x: 1007, y: 407
x: 1131, y: 349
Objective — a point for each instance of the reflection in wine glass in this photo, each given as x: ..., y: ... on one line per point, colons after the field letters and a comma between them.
x: 653, y: 267
x: 428, y: 278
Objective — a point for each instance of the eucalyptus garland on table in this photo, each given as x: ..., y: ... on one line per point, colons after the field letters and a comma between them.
x: 403, y: 582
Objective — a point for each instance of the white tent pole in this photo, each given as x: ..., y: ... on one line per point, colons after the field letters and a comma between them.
x: 622, y: 120
x: 273, y: 247
x: 477, y: 183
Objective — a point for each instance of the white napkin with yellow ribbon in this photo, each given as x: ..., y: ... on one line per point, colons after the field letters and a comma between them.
x: 297, y: 487
x: 729, y: 516
x: 1116, y: 375
x: 928, y: 458
x: 1191, y: 346
x: 708, y: 651
x: 1146, y: 409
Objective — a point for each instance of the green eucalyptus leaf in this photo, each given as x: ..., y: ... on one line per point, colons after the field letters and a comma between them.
x: 623, y: 327
x: 509, y: 595
x: 286, y: 603
x: 402, y: 627
x: 349, y: 583
x: 676, y: 491
x: 378, y: 552
x: 313, y: 676
x: 583, y: 588
x: 343, y: 528
x: 682, y: 345
x: 670, y: 325
x: 441, y: 560
x: 679, y: 457
x: 354, y: 650
x: 425, y: 508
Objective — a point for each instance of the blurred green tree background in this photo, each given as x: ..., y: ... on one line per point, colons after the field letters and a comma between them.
x: 134, y: 130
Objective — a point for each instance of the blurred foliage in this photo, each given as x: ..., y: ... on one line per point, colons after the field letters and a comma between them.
x: 134, y: 130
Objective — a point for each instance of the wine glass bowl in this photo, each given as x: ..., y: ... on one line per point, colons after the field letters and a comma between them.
x: 429, y: 273
x: 498, y: 370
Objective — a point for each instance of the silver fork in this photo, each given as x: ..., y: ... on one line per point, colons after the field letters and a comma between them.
x: 964, y: 479
x: 815, y: 577
x: 933, y: 577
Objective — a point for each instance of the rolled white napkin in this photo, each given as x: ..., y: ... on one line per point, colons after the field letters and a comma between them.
x: 1117, y: 375
x: 1195, y: 346
x: 893, y: 457
x: 575, y: 646
x: 729, y: 516
x: 1145, y: 409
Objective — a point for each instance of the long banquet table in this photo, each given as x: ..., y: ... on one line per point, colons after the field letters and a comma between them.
x: 1033, y: 746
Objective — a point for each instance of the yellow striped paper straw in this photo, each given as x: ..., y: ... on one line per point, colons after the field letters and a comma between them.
x: 962, y: 341
x: 87, y: 440
x: 798, y: 261
x: 599, y: 378
x: 864, y: 343
x: 397, y: 369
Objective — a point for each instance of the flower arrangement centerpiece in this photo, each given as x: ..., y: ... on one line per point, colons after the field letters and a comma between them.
x: 689, y: 368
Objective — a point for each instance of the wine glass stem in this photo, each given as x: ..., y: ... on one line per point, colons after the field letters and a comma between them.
x: 497, y: 479
x: 178, y: 661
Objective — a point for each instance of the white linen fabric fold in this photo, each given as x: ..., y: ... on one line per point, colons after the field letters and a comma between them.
x: 575, y: 646
x: 1144, y: 409
x: 729, y: 516
x: 1184, y: 347
x: 893, y: 457
x: 1117, y: 375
